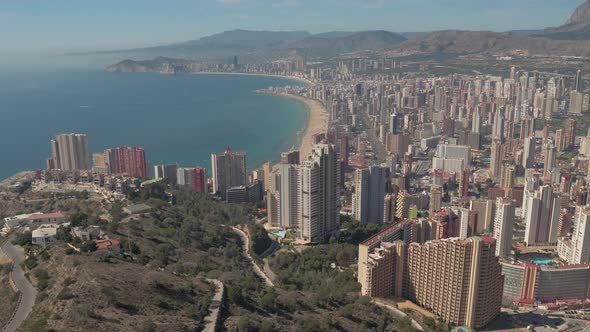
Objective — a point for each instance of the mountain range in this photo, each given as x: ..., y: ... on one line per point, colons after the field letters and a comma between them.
x: 570, y: 39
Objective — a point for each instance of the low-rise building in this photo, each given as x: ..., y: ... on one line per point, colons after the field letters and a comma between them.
x: 86, y: 233
x: 45, y: 235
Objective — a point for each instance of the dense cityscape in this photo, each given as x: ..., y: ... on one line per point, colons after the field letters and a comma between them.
x: 416, y: 200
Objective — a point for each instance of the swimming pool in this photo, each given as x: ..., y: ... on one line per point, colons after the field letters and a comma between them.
x: 542, y: 261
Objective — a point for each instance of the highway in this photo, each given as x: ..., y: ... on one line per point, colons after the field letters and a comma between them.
x: 28, y: 292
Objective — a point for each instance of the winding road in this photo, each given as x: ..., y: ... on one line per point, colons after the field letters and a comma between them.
x: 27, y: 291
x: 245, y: 243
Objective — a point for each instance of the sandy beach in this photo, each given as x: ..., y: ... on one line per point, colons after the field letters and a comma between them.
x: 317, y: 122
x: 294, y: 78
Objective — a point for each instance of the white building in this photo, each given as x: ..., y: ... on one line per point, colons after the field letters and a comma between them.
x: 504, y: 226
x: 44, y: 235
x: 369, y: 195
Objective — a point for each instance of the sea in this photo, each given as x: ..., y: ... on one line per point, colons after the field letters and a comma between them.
x: 177, y: 119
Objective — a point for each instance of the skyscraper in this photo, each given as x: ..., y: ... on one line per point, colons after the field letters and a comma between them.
x: 548, y: 157
x: 528, y: 157
x: 368, y: 199
x: 569, y: 127
x: 581, y: 236
x: 579, y: 83
x: 193, y: 178
x: 496, y: 157
x: 69, y: 152
x: 284, y: 196
x: 504, y: 226
x: 229, y: 170
x: 130, y: 161
x: 319, y: 194
x: 542, y: 216
x: 290, y: 157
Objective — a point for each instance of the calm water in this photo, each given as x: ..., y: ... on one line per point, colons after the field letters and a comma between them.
x: 176, y: 119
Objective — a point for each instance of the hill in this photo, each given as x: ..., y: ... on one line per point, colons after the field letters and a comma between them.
x: 360, y: 41
x: 491, y: 43
x: 160, y: 283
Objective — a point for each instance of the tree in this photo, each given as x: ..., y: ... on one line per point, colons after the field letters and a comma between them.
x: 268, y: 300
x: 88, y: 246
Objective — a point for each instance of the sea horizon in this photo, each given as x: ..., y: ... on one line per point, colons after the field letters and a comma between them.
x: 127, y: 109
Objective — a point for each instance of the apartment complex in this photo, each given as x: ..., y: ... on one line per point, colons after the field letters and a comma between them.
x: 229, y: 170
x: 305, y: 197
x: 130, y: 161
x: 368, y: 198
x: 459, y: 280
x: 69, y: 152
x: 527, y: 283
x: 193, y: 178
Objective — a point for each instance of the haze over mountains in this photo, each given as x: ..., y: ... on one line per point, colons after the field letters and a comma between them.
x: 570, y: 39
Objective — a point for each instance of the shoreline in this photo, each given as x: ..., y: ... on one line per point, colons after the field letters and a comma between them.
x: 294, y: 78
x: 317, y: 120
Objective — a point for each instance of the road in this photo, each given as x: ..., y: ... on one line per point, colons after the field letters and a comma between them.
x: 28, y: 292
x: 245, y: 243
x: 397, y: 313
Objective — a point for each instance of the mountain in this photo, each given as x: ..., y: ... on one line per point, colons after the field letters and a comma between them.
x: 490, y: 43
x: 333, y: 34
x: 576, y: 27
x: 360, y: 41
x: 250, y: 38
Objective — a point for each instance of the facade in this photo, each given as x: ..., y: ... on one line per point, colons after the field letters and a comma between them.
x: 319, y: 181
x: 290, y: 157
x: 193, y: 178
x: 130, y: 161
x: 542, y: 217
x: 168, y: 172
x: 251, y: 193
x: 284, y: 196
x: 577, y: 249
x: 229, y: 171
x: 459, y: 280
x: 504, y: 226
x: 69, y: 153
x: 369, y: 195
x: 527, y: 282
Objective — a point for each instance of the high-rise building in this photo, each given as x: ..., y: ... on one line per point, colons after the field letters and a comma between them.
x: 579, y: 84
x: 508, y: 176
x: 319, y: 180
x: 130, y: 161
x: 99, y: 163
x: 284, y: 196
x: 435, y: 200
x: 548, y: 157
x: 290, y: 157
x: 229, y: 170
x: 504, y: 226
x: 569, y: 127
x: 369, y: 195
x: 485, y: 210
x: 496, y: 158
x: 458, y: 280
x: 528, y: 157
x: 581, y: 236
x: 267, y: 170
x: 193, y: 178
x: 69, y: 152
x: 542, y: 216
x: 168, y: 172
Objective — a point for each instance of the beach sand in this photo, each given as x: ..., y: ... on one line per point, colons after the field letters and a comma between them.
x: 317, y: 122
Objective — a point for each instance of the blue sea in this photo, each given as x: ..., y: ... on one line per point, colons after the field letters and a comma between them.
x: 176, y: 119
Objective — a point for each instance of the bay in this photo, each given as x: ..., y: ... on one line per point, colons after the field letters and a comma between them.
x: 176, y: 119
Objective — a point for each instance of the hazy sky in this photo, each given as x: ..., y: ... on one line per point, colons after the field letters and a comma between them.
x: 47, y: 26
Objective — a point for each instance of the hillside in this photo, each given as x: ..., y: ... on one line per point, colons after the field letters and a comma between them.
x: 491, y: 43
x: 361, y: 41
x: 160, y: 284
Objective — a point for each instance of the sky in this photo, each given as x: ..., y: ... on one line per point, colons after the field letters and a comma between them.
x: 58, y: 26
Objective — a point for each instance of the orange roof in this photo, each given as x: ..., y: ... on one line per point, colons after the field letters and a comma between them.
x: 107, y: 244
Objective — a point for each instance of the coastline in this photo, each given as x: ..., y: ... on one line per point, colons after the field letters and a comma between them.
x: 294, y: 78
x: 317, y: 120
